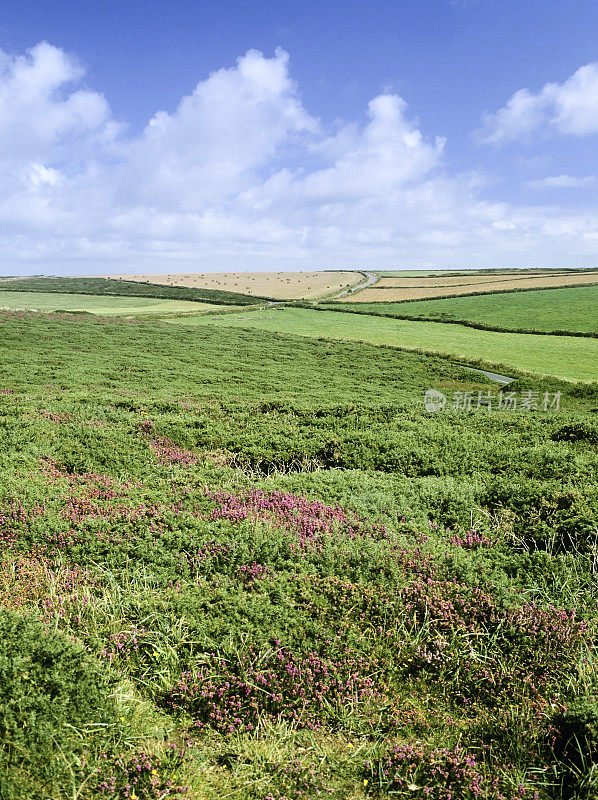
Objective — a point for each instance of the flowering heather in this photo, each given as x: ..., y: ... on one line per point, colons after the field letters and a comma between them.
x: 437, y: 774
x: 278, y: 685
x: 531, y: 646
x: 142, y: 775
x: 103, y: 485
x: 123, y: 644
x: 250, y: 573
x: 13, y: 516
x: 166, y: 452
x: 80, y: 511
x: 310, y: 521
x: 84, y: 510
x: 473, y: 539
x: 450, y: 605
x: 36, y: 582
x: 58, y: 418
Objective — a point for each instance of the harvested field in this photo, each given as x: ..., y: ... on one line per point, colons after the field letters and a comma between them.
x: 278, y: 285
x: 467, y: 273
x: 389, y: 290
x: 470, y: 280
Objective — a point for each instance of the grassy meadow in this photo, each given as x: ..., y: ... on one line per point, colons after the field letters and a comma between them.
x: 564, y: 357
x: 239, y: 559
x: 573, y: 309
x: 98, y: 304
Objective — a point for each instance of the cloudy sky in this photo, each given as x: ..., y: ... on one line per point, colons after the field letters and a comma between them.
x: 154, y: 136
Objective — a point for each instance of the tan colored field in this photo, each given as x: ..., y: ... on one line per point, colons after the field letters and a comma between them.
x: 466, y: 280
x: 278, y: 285
x: 389, y: 290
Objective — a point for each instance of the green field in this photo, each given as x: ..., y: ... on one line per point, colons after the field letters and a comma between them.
x: 98, y: 304
x: 560, y: 356
x: 571, y: 309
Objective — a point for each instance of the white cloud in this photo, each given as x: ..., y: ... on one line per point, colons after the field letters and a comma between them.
x: 559, y: 108
x: 387, y: 153
x: 562, y: 182
x: 242, y: 175
x: 41, y: 115
x: 236, y: 124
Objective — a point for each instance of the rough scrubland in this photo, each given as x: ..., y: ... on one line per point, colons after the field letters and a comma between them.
x: 247, y: 565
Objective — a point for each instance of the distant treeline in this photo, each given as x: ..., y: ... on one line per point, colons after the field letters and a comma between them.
x: 122, y: 288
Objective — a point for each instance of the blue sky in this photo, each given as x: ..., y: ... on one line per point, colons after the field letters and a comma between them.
x: 204, y: 136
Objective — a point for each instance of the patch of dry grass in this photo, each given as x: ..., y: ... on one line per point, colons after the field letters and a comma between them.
x: 278, y: 285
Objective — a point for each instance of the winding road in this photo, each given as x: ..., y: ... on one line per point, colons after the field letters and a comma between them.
x: 371, y: 278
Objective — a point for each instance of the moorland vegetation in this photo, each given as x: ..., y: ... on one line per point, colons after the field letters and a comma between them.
x: 246, y: 564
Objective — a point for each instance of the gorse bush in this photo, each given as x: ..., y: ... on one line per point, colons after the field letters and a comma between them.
x: 578, y: 730
x: 52, y: 696
x: 48, y: 683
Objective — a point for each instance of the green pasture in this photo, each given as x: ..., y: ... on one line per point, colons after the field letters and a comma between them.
x: 571, y: 309
x: 560, y: 356
x: 104, y: 305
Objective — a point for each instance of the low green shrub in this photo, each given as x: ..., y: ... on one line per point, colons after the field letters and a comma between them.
x: 53, y: 696
x: 577, y: 747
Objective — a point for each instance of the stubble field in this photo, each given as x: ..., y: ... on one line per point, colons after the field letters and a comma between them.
x: 277, y: 285
x: 396, y: 289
